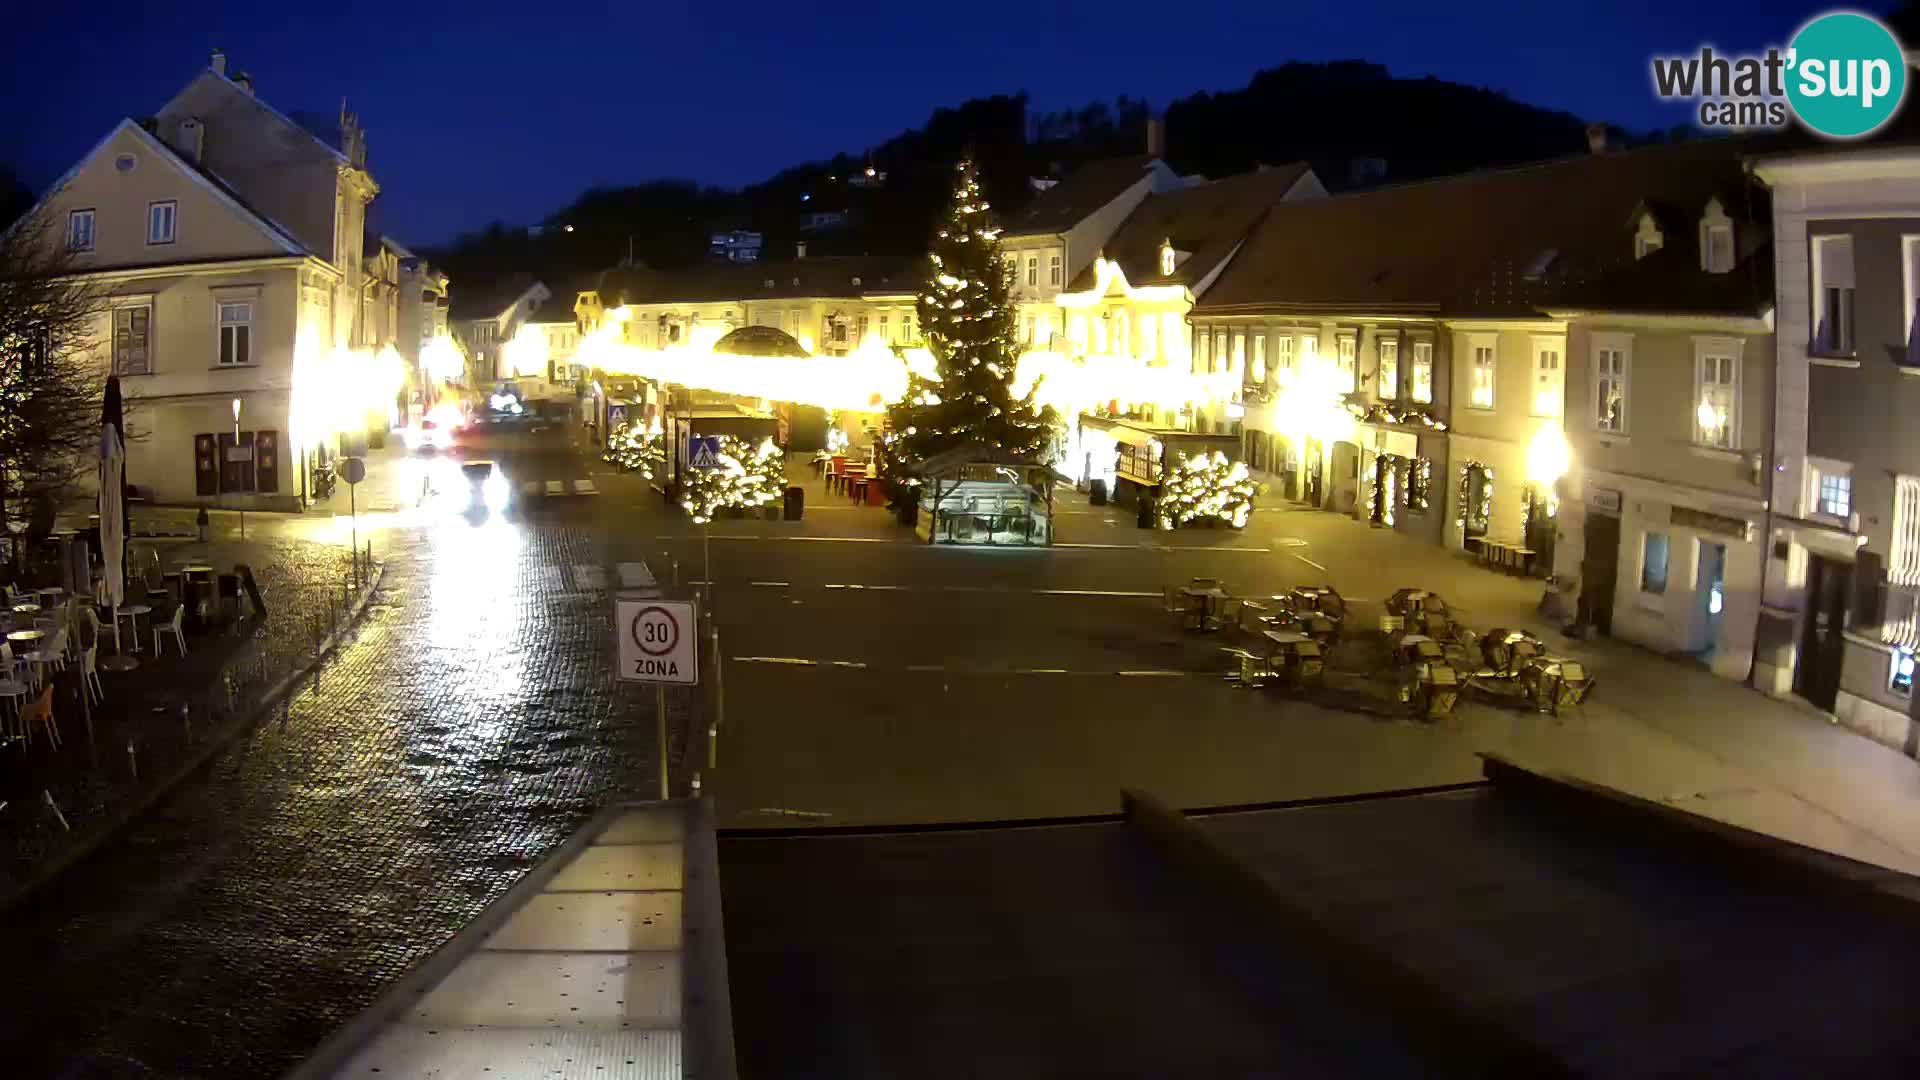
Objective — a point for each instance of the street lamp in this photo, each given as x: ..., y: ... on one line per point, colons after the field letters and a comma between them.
x: 236, y: 450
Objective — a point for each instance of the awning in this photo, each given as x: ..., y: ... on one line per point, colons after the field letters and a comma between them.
x: 1130, y: 436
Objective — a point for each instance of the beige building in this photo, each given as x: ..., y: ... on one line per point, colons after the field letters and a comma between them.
x: 1669, y: 367
x: 486, y: 320
x: 830, y: 304
x: 422, y: 313
x: 227, y: 241
x: 1055, y: 238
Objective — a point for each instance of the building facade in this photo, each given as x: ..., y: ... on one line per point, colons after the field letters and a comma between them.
x: 1840, y: 625
x: 225, y: 241
x: 1057, y: 236
x: 1669, y: 374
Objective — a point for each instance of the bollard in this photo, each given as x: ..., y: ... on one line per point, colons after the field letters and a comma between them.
x: 57, y: 815
x: 133, y: 763
x: 186, y: 721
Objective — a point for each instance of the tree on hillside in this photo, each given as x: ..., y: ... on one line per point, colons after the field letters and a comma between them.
x: 50, y: 380
x: 968, y: 321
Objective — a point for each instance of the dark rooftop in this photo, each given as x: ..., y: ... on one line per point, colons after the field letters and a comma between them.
x: 1206, y: 222
x: 1466, y: 245
x: 1083, y: 191
x: 846, y: 276
x: 1441, y: 933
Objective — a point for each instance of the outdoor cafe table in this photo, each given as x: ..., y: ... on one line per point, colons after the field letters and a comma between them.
x: 26, y: 635
x: 26, y: 609
x: 1209, y: 606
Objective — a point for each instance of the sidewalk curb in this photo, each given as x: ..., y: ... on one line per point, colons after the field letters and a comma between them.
x: 117, y: 821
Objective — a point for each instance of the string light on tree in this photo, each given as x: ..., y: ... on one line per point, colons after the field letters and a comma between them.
x: 968, y: 320
x: 1205, y: 486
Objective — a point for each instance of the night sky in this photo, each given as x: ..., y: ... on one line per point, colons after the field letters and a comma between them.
x: 483, y: 111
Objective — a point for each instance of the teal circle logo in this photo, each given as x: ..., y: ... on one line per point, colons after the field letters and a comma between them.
x: 1847, y: 75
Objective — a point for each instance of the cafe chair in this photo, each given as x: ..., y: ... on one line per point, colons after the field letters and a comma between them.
x: 41, y: 712
x: 172, y: 627
x: 90, y: 673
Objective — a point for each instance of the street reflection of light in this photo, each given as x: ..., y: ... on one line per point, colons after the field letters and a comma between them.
x: 494, y: 490
x: 474, y: 619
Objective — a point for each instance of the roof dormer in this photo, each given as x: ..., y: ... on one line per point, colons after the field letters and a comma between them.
x: 1647, y: 237
x: 1717, y: 251
x: 1170, y: 257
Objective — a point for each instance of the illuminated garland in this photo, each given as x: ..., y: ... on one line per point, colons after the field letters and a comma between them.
x: 1205, y: 486
x: 1377, y: 413
x: 1419, y: 483
x: 1486, y: 493
x: 745, y: 478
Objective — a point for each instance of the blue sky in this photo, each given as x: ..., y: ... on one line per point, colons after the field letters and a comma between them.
x: 477, y: 111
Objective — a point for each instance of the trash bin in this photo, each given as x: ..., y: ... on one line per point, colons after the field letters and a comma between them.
x: 1097, y: 492
x: 1145, y: 519
x: 229, y: 597
x: 195, y: 595
x: 796, y: 502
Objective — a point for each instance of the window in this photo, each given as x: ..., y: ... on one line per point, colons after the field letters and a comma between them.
x: 1653, y: 564
x: 1610, y: 383
x: 886, y: 330
x: 1833, y: 295
x: 1644, y: 246
x: 160, y: 217
x: 1166, y: 259
x: 1344, y: 358
x: 1121, y: 321
x: 1202, y: 353
x: 1237, y: 359
x: 1029, y: 328
x: 1910, y: 270
x: 1485, y: 367
x: 906, y: 325
x: 1903, y: 560
x: 1077, y: 333
x: 1033, y: 270
x: 1283, y: 363
x: 80, y: 230
x: 1387, y: 385
x: 1259, y: 369
x: 132, y: 333
x: 1147, y: 343
x: 1421, y: 383
x: 1548, y: 389
x: 1053, y: 270
x: 1719, y: 249
x: 1836, y: 494
x: 1102, y: 338
x: 1220, y: 356
x: 1716, y: 414
x: 860, y: 329
x: 1900, y: 672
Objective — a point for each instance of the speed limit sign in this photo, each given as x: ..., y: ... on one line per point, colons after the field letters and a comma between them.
x: 657, y: 641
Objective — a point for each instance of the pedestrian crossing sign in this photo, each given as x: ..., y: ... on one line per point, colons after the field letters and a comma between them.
x: 704, y: 453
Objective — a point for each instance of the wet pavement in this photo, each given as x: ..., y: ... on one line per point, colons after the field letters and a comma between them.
x: 470, y: 728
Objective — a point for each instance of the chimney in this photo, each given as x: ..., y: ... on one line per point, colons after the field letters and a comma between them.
x: 192, y: 138
x: 219, y: 64
x: 1599, y: 138
x: 1157, y: 136
x: 800, y: 250
x: 245, y: 80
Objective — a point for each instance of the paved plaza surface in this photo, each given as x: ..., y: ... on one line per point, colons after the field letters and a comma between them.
x: 473, y: 723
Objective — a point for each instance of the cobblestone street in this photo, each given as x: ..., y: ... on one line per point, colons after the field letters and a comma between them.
x: 469, y: 728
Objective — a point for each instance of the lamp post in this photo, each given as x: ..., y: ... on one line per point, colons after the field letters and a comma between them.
x: 236, y: 449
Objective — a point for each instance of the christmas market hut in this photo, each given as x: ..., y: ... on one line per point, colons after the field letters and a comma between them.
x: 1140, y: 462
x: 984, y: 495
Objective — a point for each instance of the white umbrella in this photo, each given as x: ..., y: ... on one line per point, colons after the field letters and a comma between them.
x: 113, y: 518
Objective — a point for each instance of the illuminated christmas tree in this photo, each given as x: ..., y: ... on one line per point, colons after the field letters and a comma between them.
x: 746, y: 477
x: 631, y: 447
x: 1205, y: 486
x: 968, y: 320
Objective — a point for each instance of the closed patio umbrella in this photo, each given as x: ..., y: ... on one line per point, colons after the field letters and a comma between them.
x: 113, y: 512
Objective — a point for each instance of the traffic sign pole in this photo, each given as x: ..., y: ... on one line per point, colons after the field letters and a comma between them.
x: 660, y: 726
